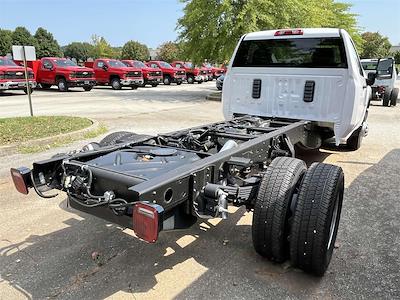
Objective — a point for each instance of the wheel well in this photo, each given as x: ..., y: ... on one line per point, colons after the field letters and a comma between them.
x: 58, y: 77
x: 114, y: 76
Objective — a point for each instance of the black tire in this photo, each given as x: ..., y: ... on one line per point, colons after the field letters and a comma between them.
x: 113, y: 138
x: 167, y: 80
x: 116, y: 83
x: 200, y: 82
x: 190, y: 79
x: 121, y: 137
x: 393, y: 97
x: 179, y: 83
x: 26, y: 90
x: 134, y: 87
x: 316, y: 218
x: 45, y: 86
x: 87, y: 88
x: 62, y: 85
x: 154, y: 85
x: 355, y: 140
x: 270, y: 227
x: 386, y: 99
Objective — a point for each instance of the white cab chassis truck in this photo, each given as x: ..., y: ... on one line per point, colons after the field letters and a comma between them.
x: 386, y: 75
x: 305, y: 74
x: 283, y: 88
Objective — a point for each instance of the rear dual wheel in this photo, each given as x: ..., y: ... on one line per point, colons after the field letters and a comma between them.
x: 297, y: 213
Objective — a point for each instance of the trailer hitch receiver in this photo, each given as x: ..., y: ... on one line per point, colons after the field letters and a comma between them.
x: 147, y: 221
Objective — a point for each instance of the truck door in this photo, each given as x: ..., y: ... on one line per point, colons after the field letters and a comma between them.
x: 46, y: 72
x: 100, y: 71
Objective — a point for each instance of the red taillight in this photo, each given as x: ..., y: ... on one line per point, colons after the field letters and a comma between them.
x: 21, y: 179
x: 147, y: 221
x: 289, y: 32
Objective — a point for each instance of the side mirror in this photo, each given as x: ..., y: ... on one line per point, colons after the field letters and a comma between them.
x: 48, y: 67
x: 105, y: 68
x: 371, y: 79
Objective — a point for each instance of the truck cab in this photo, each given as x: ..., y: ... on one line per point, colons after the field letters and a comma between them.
x: 193, y: 74
x: 385, y: 72
x: 151, y: 76
x: 12, y: 76
x: 170, y: 74
x: 62, y: 72
x: 115, y: 73
x: 307, y: 74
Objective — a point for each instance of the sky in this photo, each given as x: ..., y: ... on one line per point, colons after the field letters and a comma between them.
x: 151, y: 22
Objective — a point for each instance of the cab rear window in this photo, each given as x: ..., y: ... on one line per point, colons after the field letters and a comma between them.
x: 292, y: 52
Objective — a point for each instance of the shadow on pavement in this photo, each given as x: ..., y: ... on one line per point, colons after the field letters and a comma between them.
x: 216, y: 260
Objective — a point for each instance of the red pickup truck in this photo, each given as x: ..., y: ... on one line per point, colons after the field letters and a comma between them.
x: 113, y: 72
x: 193, y: 74
x: 215, y: 71
x: 12, y: 76
x: 63, y: 73
x: 152, y: 76
x: 170, y: 74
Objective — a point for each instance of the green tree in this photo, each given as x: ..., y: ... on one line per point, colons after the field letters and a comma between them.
x: 79, y: 51
x: 101, y: 48
x: 396, y: 56
x: 214, y: 37
x: 135, y: 50
x: 46, y: 44
x: 168, y: 51
x: 5, y: 41
x: 117, y: 52
x: 22, y: 37
x: 375, y: 45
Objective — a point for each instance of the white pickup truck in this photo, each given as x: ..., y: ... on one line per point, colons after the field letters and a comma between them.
x: 307, y: 74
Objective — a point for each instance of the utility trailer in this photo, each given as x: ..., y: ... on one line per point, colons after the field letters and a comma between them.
x: 284, y: 88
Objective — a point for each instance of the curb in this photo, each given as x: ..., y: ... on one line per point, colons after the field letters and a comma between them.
x: 215, y: 96
x: 13, y: 148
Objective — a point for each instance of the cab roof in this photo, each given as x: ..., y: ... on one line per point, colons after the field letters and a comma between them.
x: 306, y: 33
x: 63, y: 58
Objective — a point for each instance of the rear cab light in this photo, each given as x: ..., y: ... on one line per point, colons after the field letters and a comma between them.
x: 289, y: 32
x: 22, y: 179
x: 147, y: 221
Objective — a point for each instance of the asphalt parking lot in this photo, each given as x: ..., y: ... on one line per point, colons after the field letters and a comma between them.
x: 46, y: 248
